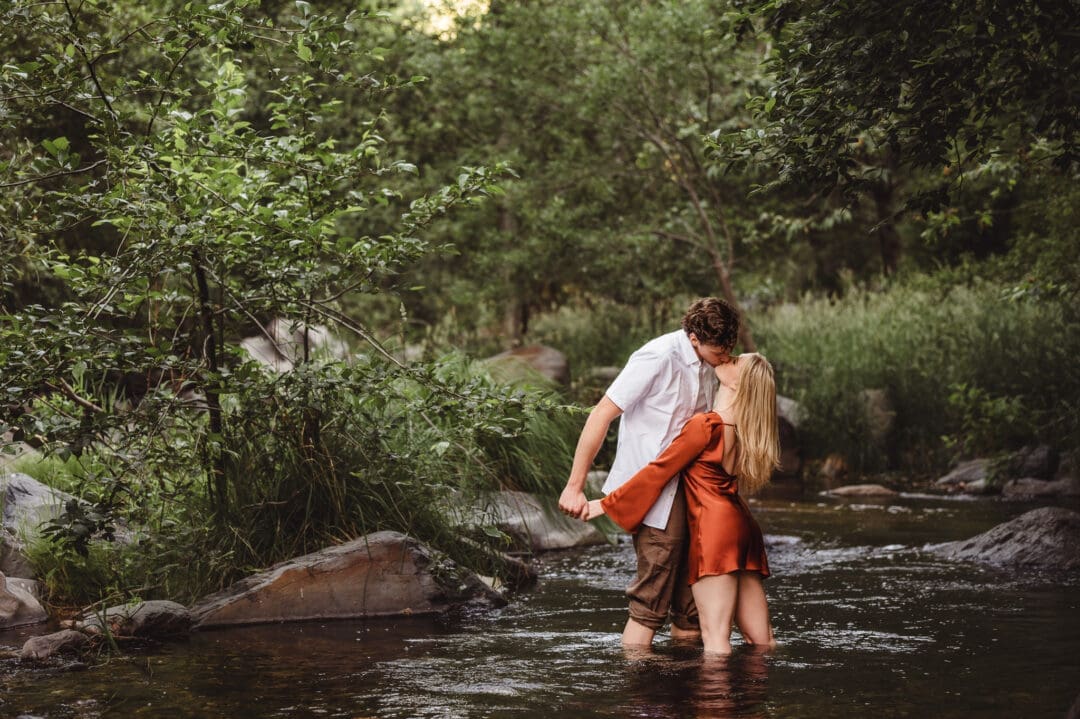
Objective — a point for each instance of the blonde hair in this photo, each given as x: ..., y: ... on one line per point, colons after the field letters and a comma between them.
x: 754, y: 412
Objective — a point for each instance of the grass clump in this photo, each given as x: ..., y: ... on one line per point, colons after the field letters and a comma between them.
x: 967, y: 370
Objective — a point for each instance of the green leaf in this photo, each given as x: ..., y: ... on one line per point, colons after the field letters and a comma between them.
x: 302, y: 50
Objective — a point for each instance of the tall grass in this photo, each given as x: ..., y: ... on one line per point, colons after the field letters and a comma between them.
x: 967, y: 370
x: 321, y: 455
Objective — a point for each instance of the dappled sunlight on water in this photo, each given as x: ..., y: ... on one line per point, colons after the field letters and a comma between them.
x: 870, y: 623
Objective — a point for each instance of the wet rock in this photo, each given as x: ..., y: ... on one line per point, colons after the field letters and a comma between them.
x: 862, y: 490
x: 1038, y: 462
x: 535, y: 522
x: 972, y: 476
x: 381, y: 574
x: 146, y: 619
x: 18, y: 605
x: 1031, y: 487
x: 1045, y: 538
x: 46, y: 645
x: 546, y: 361
x: 26, y: 504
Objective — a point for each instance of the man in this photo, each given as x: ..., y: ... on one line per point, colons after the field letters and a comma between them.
x: 663, y: 384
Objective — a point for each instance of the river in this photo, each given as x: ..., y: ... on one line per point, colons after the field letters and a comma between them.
x: 870, y: 624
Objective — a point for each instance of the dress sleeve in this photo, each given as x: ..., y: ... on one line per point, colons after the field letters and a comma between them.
x: 628, y: 505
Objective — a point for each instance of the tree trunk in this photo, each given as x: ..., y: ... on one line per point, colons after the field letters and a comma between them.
x: 746, y: 337
x: 888, y: 237
x: 208, y: 351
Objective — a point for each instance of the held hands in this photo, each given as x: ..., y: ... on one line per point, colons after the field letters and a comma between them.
x: 573, y: 503
x: 595, y: 510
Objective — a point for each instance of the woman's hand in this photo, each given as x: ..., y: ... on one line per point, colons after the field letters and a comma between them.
x: 595, y: 510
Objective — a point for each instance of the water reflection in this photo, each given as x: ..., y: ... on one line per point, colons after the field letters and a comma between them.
x: 681, y: 681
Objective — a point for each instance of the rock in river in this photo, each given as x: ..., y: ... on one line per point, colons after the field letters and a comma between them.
x: 1045, y: 538
x: 157, y: 618
x: 380, y: 574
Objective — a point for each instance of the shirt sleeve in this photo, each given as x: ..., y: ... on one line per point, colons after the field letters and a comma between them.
x: 637, y: 378
x: 628, y: 505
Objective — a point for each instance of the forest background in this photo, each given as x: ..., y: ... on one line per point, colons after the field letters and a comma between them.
x: 887, y: 191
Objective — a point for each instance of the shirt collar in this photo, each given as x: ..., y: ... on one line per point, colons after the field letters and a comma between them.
x: 686, y: 350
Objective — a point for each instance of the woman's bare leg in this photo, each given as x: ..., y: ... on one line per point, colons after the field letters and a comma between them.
x: 716, y: 597
x: 752, y: 610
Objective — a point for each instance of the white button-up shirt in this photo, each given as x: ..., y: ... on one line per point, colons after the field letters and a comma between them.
x: 662, y: 385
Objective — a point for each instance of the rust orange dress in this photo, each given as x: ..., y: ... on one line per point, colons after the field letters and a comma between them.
x: 724, y: 536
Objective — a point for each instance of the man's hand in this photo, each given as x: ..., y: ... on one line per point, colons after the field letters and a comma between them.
x: 573, y: 502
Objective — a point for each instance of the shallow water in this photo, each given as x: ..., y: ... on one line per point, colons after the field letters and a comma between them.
x: 870, y: 625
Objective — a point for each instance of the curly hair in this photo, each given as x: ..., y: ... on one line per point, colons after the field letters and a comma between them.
x: 713, y: 321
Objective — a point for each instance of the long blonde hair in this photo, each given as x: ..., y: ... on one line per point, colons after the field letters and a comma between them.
x: 754, y: 412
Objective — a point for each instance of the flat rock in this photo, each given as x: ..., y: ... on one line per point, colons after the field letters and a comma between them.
x: 1045, y: 538
x: 46, y: 645
x: 862, y: 490
x: 381, y: 574
x: 156, y: 618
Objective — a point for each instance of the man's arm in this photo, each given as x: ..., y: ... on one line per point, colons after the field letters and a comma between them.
x: 572, y: 501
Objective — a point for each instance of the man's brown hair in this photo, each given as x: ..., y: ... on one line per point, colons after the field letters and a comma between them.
x: 713, y: 321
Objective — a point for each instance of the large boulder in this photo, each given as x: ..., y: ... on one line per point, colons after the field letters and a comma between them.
x: 1044, y: 538
x: 27, y: 503
x: 157, y: 618
x: 535, y: 522
x: 18, y: 605
x: 546, y: 361
x: 972, y: 477
x: 381, y: 574
x: 282, y: 346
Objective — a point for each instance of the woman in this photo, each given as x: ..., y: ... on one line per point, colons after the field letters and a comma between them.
x: 720, y: 452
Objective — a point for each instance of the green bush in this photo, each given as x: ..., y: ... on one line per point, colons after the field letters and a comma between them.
x: 963, y: 362
x: 321, y: 455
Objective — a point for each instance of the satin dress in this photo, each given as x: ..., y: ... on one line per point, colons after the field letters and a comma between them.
x: 724, y: 536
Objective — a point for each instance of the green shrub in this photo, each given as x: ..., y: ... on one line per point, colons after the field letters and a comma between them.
x: 921, y: 341
x: 317, y: 456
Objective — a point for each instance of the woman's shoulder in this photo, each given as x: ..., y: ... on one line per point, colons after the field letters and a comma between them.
x: 706, y: 420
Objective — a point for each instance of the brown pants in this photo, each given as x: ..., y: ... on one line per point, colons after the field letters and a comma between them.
x: 661, y: 584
